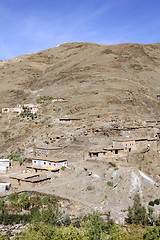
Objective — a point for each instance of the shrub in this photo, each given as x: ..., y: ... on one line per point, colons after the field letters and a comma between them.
x: 14, y: 156
x: 140, y: 168
x: 43, y: 98
x: 116, y: 168
x: 157, y: 201
x: 35, y: 214
x: 89, y: 188
x: 110, y: 184
x: 13, y: 197
x: 151, y: 203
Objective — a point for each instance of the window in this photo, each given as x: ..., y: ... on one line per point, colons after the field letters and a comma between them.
x: 49, y: 163
x: 44, y: 163
x: 116, y: 151
x: 34, y: 161
x: 95, y: 154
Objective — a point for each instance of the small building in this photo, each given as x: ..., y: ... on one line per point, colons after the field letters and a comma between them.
x: 44, y: 152
x: 99, y: 152
x: 126, y: 144
x: 151, y: 123
x: 131, y: 144
x: 29, y: 180
x: 4, y: 186
x: 18, y: 109
x: 68, y: 120
x: 49, y: 162
x: 41, y: 169
x: 4, y: 165
x: 158, y: 96
x: 58, y: 100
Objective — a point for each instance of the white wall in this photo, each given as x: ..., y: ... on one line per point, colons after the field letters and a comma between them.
x: 4, y: 164
x: 49, y: 164
x: 4, y: 187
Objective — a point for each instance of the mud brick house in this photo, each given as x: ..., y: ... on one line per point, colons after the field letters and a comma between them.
x: 104, y: 152
x: 28, y: 180
x: 42, y: 152
x: 131, y: 144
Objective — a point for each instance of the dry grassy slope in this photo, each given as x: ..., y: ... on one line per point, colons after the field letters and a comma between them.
x: 93, y: 76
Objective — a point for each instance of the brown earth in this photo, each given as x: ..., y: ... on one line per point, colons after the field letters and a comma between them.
x: 107, y: 87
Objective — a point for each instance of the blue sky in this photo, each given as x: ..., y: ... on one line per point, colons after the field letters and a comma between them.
x: 28, y: 26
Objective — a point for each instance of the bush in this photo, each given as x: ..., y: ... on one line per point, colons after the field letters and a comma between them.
x: 89, y: 188
x: 151, y: 203
x: 14, y: 156
x: 140, y: 168
x: 13, y: 197
x: 43, y: 98
x: 10, y: 219
x: 35, y: 214
x: 152, y: 234
x: 110, y: 184
x: 157, y: 201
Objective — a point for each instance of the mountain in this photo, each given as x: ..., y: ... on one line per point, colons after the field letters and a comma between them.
x: 96, y: 79
x: 108, y: 91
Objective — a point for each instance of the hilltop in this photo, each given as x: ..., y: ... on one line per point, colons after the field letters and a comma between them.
x: 95, y: 79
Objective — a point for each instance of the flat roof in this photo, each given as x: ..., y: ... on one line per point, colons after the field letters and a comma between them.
x: 47, y: 149
x: 49, y: 159
x: 32, y: 179
x: 44, y: 168
x: 152, y: 139
x: 104, y: 150
x: 129, y: 139
x: 25, y: 176
x: 69, y: 119
x: 4, y: 160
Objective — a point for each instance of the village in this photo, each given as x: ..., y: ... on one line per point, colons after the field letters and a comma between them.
x: 78, y: 159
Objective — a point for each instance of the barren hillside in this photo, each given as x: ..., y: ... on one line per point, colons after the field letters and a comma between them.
x: 96, y: 79
x: 106, y: 92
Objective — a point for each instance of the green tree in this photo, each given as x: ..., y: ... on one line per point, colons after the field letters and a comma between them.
x: 3, y: 206
x: 35, y: 201
x: 51, y: 216
x: 137, y: 214
x: 24, y: 202
x: 35, y: 214
x: 13, y: 197
x: 152, y: 233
